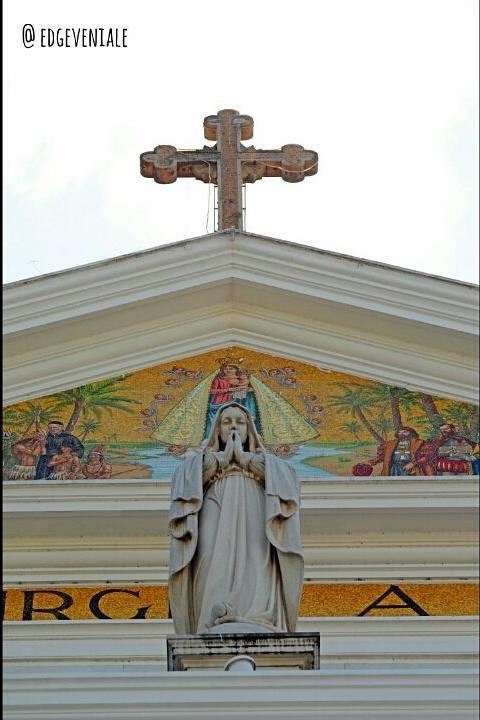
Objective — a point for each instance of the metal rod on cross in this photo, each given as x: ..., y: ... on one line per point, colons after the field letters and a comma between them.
x: 228, y: 164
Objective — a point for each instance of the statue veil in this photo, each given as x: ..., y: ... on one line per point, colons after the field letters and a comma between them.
x: 213, y: 441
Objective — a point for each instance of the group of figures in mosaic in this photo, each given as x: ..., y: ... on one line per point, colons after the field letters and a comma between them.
x: 56, y: 455
x: 407, y: 454
x: 352, y: 426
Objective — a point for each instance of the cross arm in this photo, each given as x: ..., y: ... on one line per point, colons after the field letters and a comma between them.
x: 166, y: 163
x: 292, y: 163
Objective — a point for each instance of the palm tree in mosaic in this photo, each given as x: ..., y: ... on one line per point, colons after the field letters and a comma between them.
x: 32, y: 416
x: 355, y: 401
x: 96, y: 398
x: 394, y: 398
x: 430, y: 419
x: 88, y: 427
x: 353, y: 428
x: 9, y: 438
x: 11, y: 418
x: 428, y: 405
x: 401, y: 399
x: 465, y: 417
x: 424, y: 426
x: 384, y: 425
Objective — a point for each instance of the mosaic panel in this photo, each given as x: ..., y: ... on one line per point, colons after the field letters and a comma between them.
x: 326, y: 423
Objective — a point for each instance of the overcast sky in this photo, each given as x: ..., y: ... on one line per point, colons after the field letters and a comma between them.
x: 384, y: 90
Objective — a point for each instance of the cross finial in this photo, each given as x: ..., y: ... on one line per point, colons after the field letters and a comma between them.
x: 228, y: 164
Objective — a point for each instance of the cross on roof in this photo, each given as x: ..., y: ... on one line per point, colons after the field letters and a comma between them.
x: 228, y: 164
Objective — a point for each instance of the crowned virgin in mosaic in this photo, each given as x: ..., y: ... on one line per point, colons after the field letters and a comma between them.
x: 324, y: 422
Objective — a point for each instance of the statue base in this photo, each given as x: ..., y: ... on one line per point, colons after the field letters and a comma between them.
x: 267, y: 651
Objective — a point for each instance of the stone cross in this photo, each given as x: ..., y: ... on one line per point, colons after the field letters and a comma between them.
x: 228, y: 164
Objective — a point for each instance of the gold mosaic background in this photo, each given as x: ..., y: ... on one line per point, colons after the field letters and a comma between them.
x: 318, y: 600
x: 140, y: 419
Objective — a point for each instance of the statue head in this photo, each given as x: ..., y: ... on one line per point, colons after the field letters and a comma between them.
x: 234, y: 417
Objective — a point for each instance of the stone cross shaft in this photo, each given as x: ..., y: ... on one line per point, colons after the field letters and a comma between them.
x: 228, y: 164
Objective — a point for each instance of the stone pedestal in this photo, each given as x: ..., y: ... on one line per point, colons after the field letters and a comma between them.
x: 269, y: 651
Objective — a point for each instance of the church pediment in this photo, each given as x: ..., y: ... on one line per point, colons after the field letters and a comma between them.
x: 327, y: 423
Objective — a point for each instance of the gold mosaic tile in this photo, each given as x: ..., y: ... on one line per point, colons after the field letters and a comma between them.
x: 75, y: 603
x: 356, y: 598
x: 318, y: 600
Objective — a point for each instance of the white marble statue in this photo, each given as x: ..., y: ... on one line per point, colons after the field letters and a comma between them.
x: 236, y: 562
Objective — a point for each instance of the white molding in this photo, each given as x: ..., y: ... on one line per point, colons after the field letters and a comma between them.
x: 125, y: 562
x: 374, y: 529
x: 342, y: 493
x: 210, y: 258
x: 217, y: 291
x: 335, y: 558
x: 314, y: 695
x: 413, y: 668
x: 79, y: 574
x: 357, y: 640
x: 27, y: 375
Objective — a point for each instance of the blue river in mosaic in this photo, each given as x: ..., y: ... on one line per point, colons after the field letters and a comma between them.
x: 163, y: 465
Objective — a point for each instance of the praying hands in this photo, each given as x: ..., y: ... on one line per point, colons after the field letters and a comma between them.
x: 234, y: 452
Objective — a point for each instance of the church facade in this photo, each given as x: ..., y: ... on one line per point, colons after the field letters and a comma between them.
x: 361, y: 375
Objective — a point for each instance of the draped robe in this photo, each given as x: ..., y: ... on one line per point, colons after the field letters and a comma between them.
x: 235, y: 552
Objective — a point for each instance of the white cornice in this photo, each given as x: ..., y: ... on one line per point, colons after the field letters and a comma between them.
x: 213, y: 258
x: 87, y: 566
x: 96, y: 349
x: 343, y: 639
x: 337, y: 493
x: 406, y: 668
x: 335, y: 557
x: 372, y: 529
x: 125, y: 695
x: 220, y: 290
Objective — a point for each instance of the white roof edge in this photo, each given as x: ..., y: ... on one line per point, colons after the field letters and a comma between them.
x: 234, y: 288
x: 233, y: 233
x: 245, y: 258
